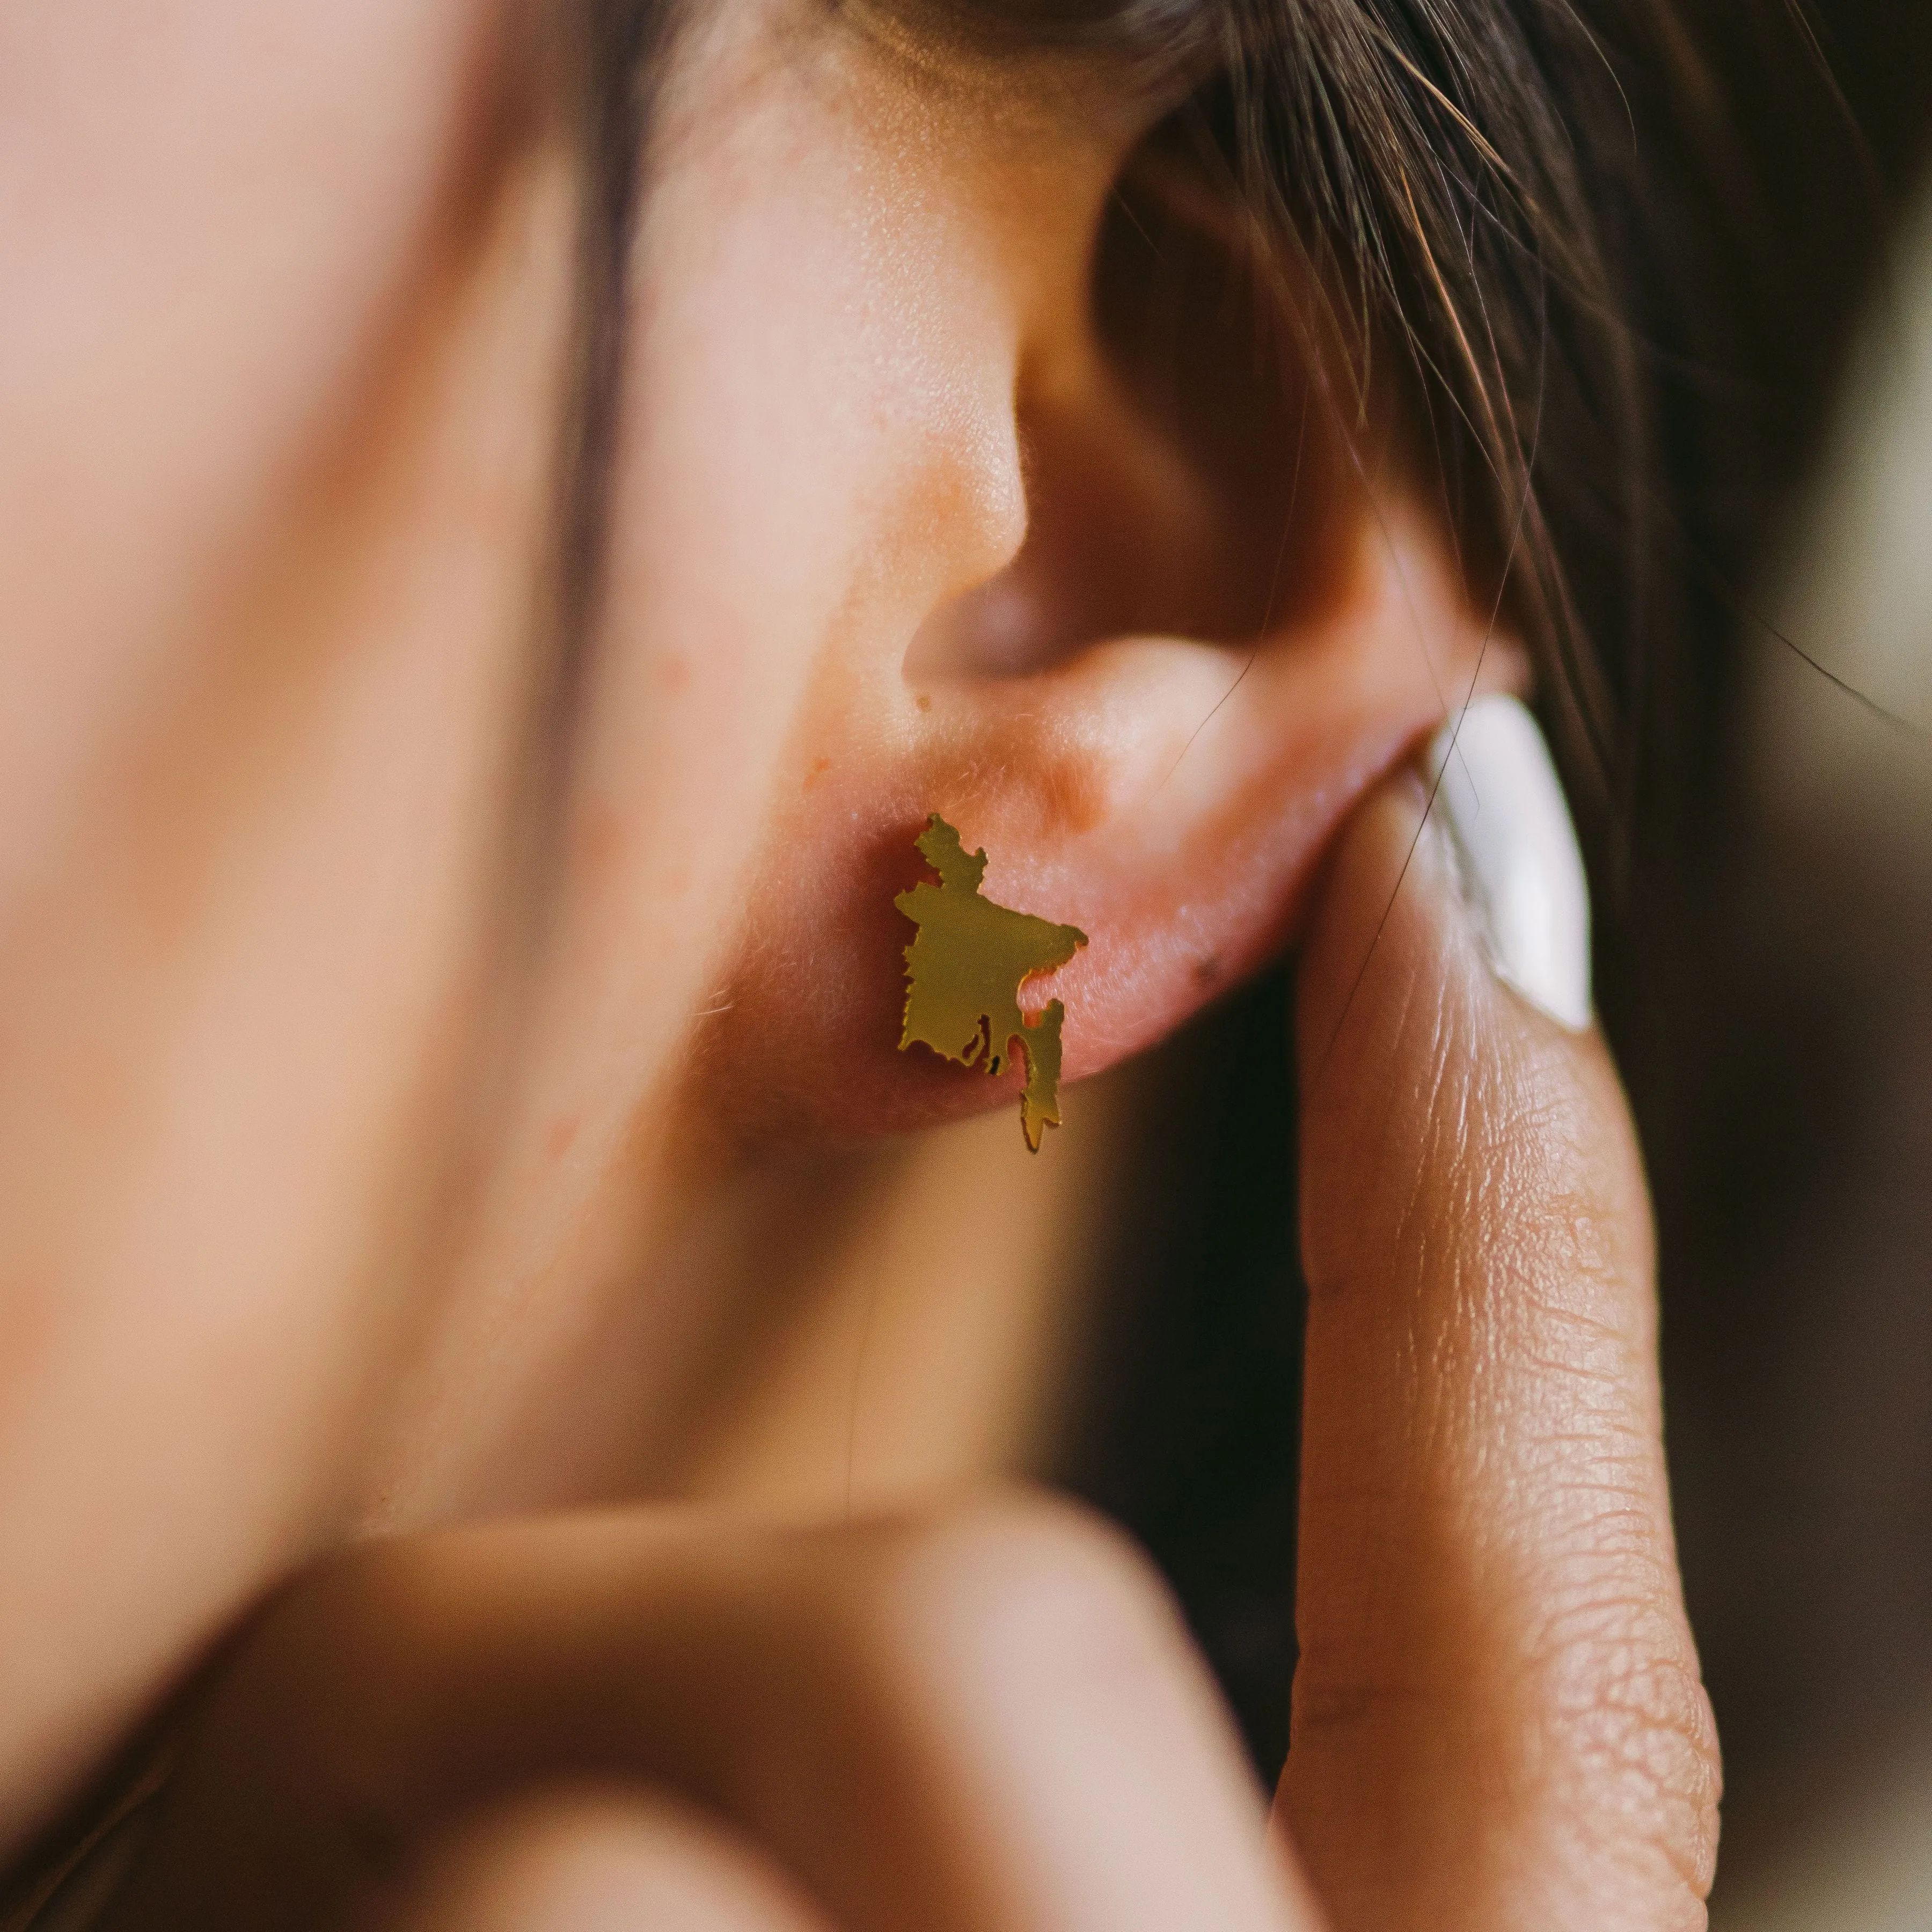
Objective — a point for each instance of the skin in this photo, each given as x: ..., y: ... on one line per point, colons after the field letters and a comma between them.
x: 392, y: 1078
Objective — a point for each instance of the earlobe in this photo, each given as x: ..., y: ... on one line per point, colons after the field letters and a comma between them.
x: 1171, y: 799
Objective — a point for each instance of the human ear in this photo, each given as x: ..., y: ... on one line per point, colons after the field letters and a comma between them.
x: 1110, y: 571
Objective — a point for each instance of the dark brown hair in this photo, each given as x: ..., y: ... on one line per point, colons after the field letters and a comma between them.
x: 1514, y: 212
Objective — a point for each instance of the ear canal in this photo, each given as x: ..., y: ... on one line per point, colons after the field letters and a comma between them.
x: 1182, y: 472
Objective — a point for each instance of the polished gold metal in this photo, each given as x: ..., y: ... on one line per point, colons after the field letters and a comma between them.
x: 965, y: 970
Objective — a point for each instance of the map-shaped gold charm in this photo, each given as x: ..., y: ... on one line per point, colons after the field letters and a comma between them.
x: 965, y: 969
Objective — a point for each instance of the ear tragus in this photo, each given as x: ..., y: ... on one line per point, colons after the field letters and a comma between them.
x: 1182, y: 476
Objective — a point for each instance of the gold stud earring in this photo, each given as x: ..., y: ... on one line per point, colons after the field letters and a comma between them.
x: 965, y: 969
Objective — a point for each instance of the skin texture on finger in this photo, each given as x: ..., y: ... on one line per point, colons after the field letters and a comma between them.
x: 592, y: 1860
x: 989, y: 1721
x: 1498, y: 1721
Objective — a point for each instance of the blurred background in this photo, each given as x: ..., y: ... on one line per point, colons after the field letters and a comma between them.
x: 1791, y: 1083
x: 1766, y: 976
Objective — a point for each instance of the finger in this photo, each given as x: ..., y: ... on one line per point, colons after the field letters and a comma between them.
x: 992, y: 1722
x: 1498, y: 1721
x: 592, y: 1860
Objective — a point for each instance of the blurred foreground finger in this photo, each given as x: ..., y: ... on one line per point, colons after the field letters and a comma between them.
x: 1499, y: 1720
x: 592, y: 1860
x: 988, y: 1722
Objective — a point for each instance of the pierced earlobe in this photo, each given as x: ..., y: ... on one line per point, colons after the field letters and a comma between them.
x: 965, y: 969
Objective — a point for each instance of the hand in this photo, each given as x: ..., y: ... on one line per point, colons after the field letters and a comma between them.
x: 991, y: 1721
x: 1499, y: 1720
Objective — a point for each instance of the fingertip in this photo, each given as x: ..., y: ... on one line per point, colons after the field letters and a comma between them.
x: 1390, y: 980
x: 1374, y: 900
x: 1467, y: 857
x: 1496, y: 790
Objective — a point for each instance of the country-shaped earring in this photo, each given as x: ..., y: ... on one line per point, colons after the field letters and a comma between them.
x: 965, y: 969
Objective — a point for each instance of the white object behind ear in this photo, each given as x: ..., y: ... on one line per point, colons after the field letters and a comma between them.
x: 1498, y: 795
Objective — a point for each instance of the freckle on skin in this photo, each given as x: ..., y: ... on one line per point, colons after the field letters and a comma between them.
x: 601, y: 836
x: 924, y: 701
x: 562, y: 1132
x: 1207, y: 971
x: 819, y: 767
x: 1073, y: 796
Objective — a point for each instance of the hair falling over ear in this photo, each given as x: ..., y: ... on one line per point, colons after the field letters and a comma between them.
x: 1503, y: 224
x: 1516, y: 228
